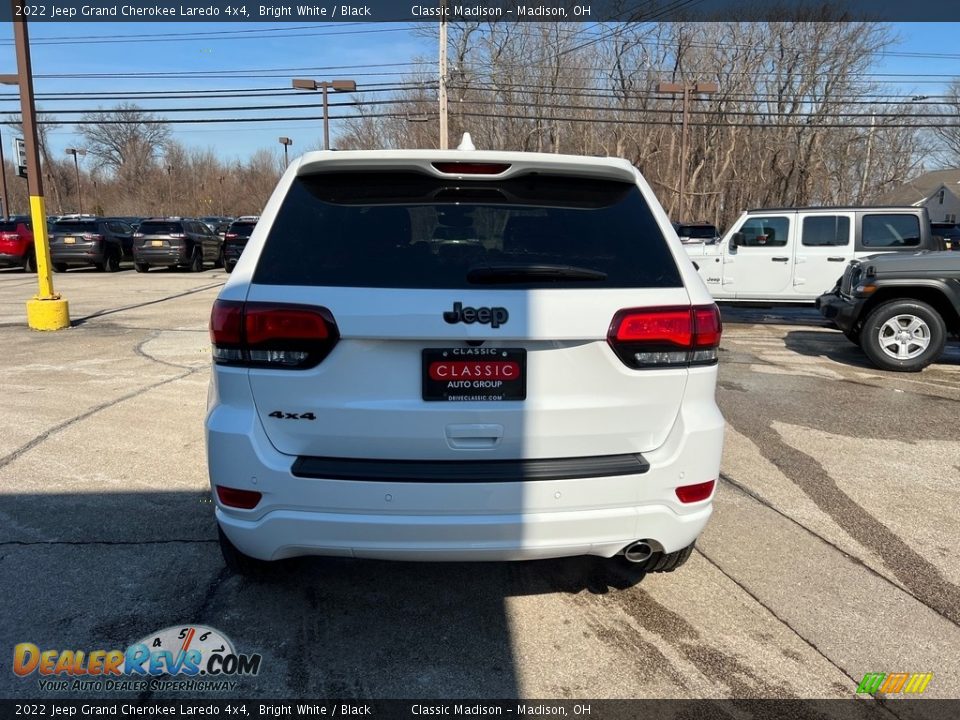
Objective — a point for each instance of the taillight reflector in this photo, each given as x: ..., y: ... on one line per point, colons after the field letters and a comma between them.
x: 234, y: 497
x: 9, y: 236
x: 695, y: 493
x: 269, y: 335
x: 466, y: 168
x: 666, y: 336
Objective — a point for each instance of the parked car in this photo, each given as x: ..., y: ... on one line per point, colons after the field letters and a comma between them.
x: 101, y: 242
x: 546, y: 392
x: 16, y: 244
x: 898, y: 308
x: 949, y: 232
x: 175, y: 242
x: 235, y: 240
x: 697, y: 232
x: 795, y: 254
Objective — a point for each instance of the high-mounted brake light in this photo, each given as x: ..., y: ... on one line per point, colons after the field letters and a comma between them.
x: 271, y: 335
x: 468, y: 168
x: 666, y: 337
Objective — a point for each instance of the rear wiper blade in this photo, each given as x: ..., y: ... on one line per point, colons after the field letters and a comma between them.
x: 491, y: 274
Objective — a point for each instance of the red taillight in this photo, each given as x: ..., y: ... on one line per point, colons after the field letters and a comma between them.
x: 229, y: 236
x: 177, y: 236
x: 465, y: 168
x: 9, y: 236
x: 695, y: 493
x: 265, y: 324
x: 268, y: 335
x: 233, y: 497
x: 138, y: 235
x: 666, y: 337
x: 93, y: 236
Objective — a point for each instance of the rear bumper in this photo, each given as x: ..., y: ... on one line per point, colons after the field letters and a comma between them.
x: 232, y: 253
x: 175, y: 255
x: 436, y: 520
x: 842, y: 312
x: 77, y: 256
x: 12, y: 260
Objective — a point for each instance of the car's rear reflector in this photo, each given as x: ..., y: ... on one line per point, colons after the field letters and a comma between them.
x: 695, y: 493
x: 666, y: 336
x: 466, y: 168
x: 234, y: 497
x: 271, y: 335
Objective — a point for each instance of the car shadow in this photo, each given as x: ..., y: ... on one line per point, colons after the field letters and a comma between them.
x: 832, y: 344
x: 326, y: 627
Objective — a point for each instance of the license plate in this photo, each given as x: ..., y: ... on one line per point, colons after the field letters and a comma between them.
x: 157, y: 243
x: 474, y: 374
x: 69, y: 241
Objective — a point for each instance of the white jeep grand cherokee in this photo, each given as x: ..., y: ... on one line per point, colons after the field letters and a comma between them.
x: 463, y: 355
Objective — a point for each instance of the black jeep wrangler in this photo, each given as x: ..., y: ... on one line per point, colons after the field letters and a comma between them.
x: 898, y: 308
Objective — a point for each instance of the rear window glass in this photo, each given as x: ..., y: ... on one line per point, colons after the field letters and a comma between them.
x: 826, y: 230
x: 161, y: 228
x: 890, y: 230
x: 11, y: 225
x: 242, y: 229
x: 697, y: 232
x: 410, y: 230
x: 76, y: 227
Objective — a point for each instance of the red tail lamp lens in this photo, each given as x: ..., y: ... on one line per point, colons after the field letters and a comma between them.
x: 695, y: 493
x: 233, y: 497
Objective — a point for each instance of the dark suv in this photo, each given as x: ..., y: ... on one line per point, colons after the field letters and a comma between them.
x: 235, y: 240
x: 175, y: 242
x: 898, y: 308
x: 101, y: 242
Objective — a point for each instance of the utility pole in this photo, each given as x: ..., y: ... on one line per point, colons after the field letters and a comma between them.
x: 46, y: 310
x: 3, y: 183
x: 700, y: 88
x: 866, y: 162
x: 444, y: 133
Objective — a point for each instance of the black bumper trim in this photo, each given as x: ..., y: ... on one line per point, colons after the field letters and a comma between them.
x: 468, y: 471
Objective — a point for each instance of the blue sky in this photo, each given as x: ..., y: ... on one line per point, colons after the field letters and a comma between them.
x: 373, y: 54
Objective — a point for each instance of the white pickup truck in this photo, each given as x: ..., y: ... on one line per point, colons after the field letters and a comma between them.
x: 796, y: 254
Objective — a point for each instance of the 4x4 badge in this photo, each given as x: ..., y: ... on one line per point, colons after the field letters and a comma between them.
x: 494, y: 317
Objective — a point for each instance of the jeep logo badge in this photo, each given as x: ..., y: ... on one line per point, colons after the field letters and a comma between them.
x: 494, y: 317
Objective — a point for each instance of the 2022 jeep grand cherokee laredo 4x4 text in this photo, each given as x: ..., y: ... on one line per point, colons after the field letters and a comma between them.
x: 451, y: 355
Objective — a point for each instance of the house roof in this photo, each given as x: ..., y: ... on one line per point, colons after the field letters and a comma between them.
x: 921, y: 187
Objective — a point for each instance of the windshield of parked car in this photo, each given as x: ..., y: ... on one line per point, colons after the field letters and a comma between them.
x: 697, y: 232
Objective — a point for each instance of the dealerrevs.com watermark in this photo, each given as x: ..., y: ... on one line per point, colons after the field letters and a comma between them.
x: 188, y: 658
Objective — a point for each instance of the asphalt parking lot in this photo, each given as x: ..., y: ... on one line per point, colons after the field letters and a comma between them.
x: 832, y: 552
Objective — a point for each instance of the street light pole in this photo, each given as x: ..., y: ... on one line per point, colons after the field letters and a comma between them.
x: 76, y: 165
x: 324, y: 85
x: 46, y: 310
x: 700, y: 88
x: 286, y: 142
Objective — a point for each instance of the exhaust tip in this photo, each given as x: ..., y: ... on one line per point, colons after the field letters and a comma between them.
x: 638, y: 552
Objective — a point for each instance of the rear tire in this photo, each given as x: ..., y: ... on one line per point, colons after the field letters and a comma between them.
x: 111, y: 263
x: 141, y: 267
x: 31, y: 265
x: 220, y: 261
x: 59, y: 267
x: 196, y: 261
x: 229, y: 267
x: 903, y: 335
x: 237, y: 562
